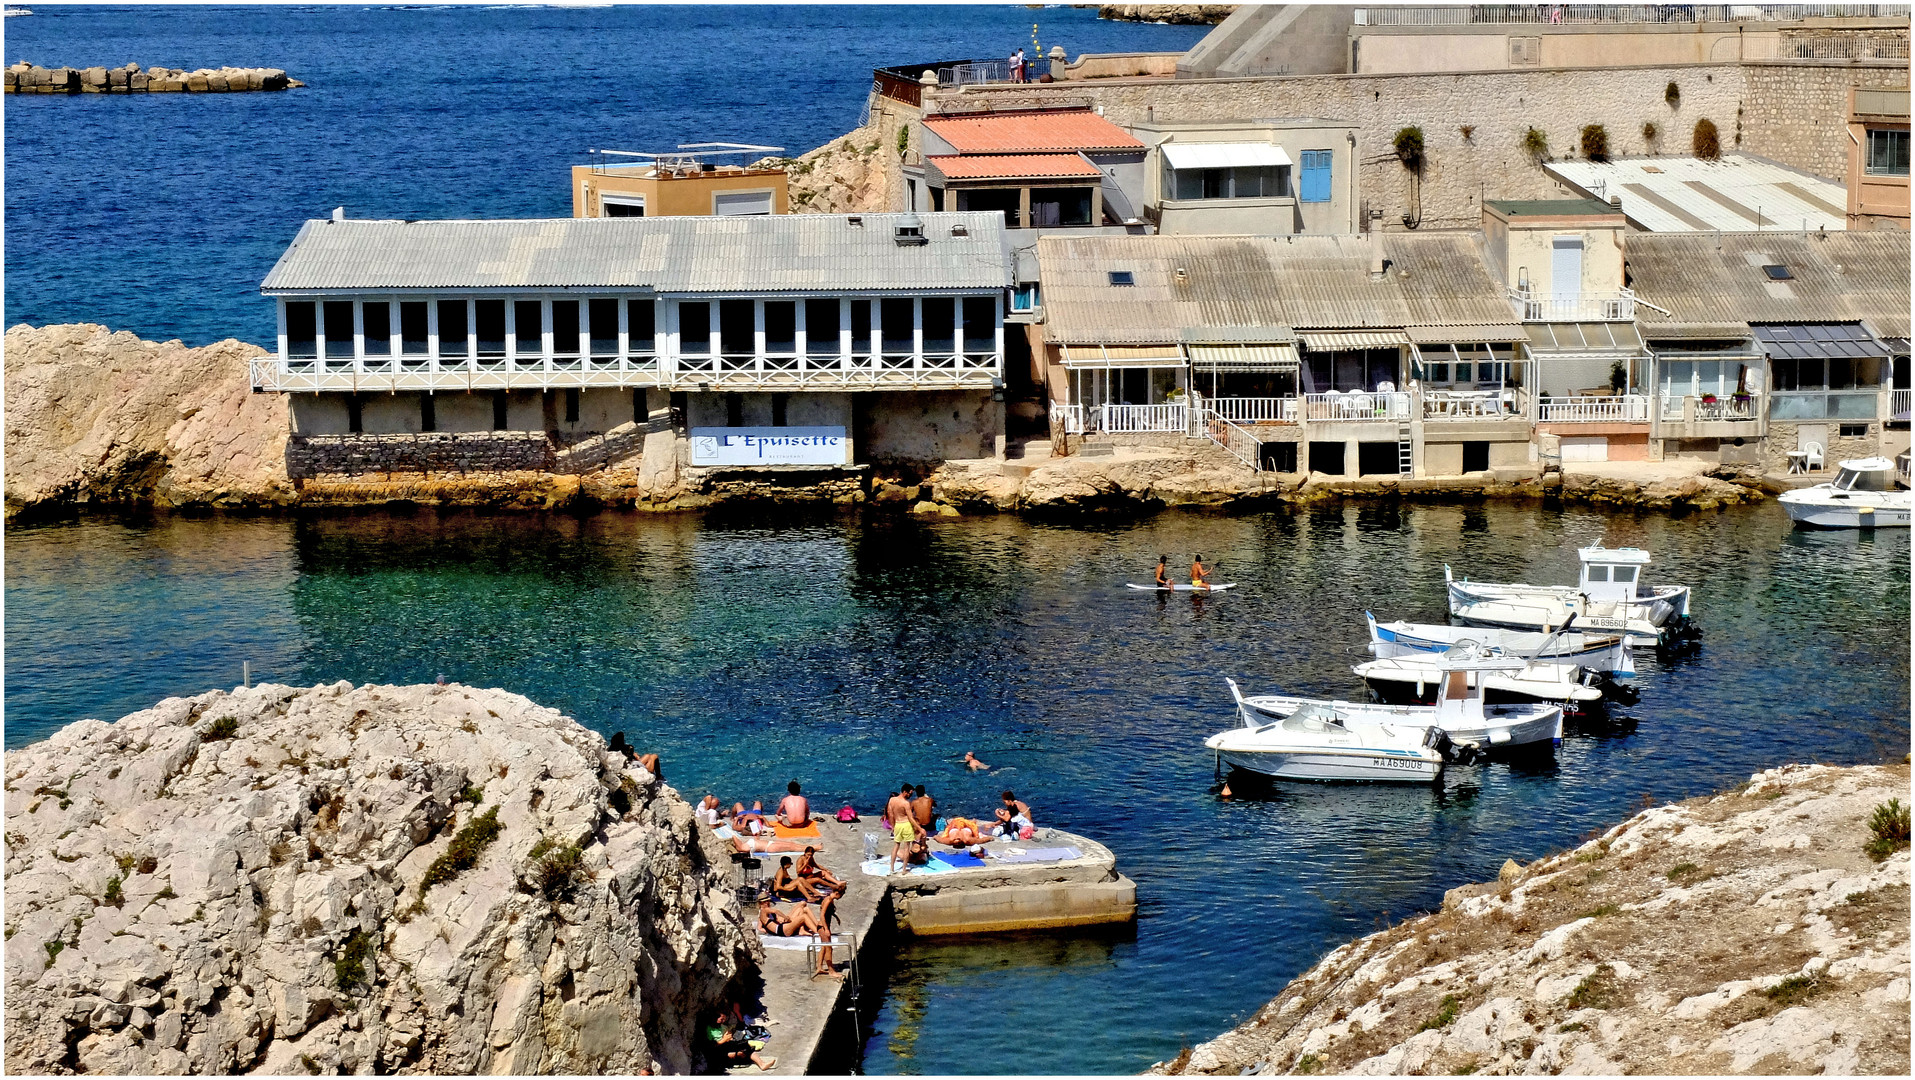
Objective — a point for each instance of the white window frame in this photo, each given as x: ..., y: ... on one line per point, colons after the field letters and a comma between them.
x: 770, y: 194
x: 621, y: 199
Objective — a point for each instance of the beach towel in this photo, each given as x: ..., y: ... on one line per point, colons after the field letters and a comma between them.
x: 786, y: 832
x: 958, y: 860
x: 1037, y: 855
x: 724, y: 832
x: 796, y: 944
x: 882, y: 868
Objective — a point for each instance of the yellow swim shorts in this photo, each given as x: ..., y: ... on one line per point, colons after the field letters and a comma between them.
x: 903, y: 832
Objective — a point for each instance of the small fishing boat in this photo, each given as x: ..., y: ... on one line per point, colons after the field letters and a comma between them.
x: 1180, y: 588
x: 1417, y: 680
x: 1862, y: 496
x: 1607, y: 653
x: 1610, y: 596
x: 1310, y: 741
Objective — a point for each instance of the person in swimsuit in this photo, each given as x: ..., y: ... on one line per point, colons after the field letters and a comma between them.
x: 795, y: 811
x: 924, y: 810
x: 899, y: 806
x: 1163, y: 572
x: 962, y: 832
x: 904, y: 834
x: 786, y: 884
x: 972, y: 763
x: 759, y: 845
x: 1199, y: 576
x: 817, y: 876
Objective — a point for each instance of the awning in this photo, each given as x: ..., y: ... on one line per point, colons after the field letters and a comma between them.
x: 1610, y: 338
x: 1224, y: 155
x: 1328, y: 341
x: 1465, y: 333
x: 1135, y: 356
x: 1240, y: 335
x: 1815, y: 341
x: 1268, y: 357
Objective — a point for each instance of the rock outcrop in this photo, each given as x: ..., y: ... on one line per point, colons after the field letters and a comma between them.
x: 423, y: 879
x: 1751, y: 932
x: 1181, y: 14
x: 95, y: 416
x: 848, y: 175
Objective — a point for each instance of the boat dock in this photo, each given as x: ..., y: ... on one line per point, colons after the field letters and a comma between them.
x: 818, y: 1024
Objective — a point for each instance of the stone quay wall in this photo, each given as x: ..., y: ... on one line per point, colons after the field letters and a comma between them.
x: 1474, y: 123
x: 27, y: 78
x: 309, y: 456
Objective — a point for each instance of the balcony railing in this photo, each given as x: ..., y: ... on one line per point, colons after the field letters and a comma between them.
x: 1722, y: 408
x: 1254, y: 410
x: 1898, y: 405
x: 1443, y: 405
x: 1356, y: 405
x: 1237, y: 441
x: 725, y: 371
x: 1622, y: 408
x: 1584, y: 307
x: 1121, y: 419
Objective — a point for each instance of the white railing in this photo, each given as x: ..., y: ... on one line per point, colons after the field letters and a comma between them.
x: 1561, y: 14
x: 1847, y: 47
x: 1143, y: 418
x: 1898, y: 404
x: 1468, y: 404
x: 1356, y: 405
x: 1238, y: 442
x: 1254, y: 410
x: 1070, y: 419
x: 686, y: 372
x: 1722, y: 408
x: 1622, y: 408
x: 1584, y: 307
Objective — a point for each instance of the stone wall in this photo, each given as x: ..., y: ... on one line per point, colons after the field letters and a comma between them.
x: 1793, y: 116
x: 309, y: 456
x: 27, y: 78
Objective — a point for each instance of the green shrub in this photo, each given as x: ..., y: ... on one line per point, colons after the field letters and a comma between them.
x: 1409, y: 148
x: 1595, y: 143
x: 113, y: 895
x: 1678, y: 871
x: 1596, y: 991
x: 1602, y: 912
x: 1793, y: 990
x: 53, y: 949
x: 1889, y: 824
x: 463, y: 853
x: 904, y: 140
x: 471, y: 793
x: 1445, y: 1015
x: 223, y: 728
x: 1535, y: 144
x: 1707, y: 143
x: 557, y: 869
x: 1618, y: 378
x: 1308, y: 1064
x: 349, y: 970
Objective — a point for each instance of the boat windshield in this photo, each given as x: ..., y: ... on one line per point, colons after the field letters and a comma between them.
x: 1312, y: 718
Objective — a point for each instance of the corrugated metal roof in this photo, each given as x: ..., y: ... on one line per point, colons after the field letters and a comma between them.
x: 783, y: 252
x: 1314, y: 282
x: 1713, y: 284
x: 1230, y: 155
x: 1058, y: 129
x: 1466, y: 334
x: 1809, y: 341
x: 1736, y: 194
x: 1012, y: 166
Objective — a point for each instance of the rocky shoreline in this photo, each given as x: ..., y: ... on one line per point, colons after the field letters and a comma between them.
x: 1754, y: 931
x: 96, y: 418
x: 429, y: 879
x: 23, y: 77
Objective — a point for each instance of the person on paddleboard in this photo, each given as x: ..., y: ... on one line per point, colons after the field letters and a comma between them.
x: 1199, y: 576
x: 1163, y: 572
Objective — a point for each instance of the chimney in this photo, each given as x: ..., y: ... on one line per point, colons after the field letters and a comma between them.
x: 339, y: 213
x: 1615, y: 202
x: 1377, y: 262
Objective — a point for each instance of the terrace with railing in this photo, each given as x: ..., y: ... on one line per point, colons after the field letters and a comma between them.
x: 1356, y: 405
x: 1617, y: 409
x: 1898, y: 405
x: 1618, y: 306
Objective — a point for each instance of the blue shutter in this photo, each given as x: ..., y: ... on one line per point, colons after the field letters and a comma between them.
x: 1316, y: 176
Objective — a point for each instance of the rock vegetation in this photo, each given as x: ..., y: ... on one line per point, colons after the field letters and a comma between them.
x: 1750, y: 932
x: 23, y: 77
x: 421, y: 879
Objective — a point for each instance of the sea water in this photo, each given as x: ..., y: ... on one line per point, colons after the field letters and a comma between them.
x: 161, y: 213
x: 857, y: 655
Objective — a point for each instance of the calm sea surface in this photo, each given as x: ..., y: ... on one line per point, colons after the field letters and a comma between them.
x: 161, y: 213
x: 854, y: 656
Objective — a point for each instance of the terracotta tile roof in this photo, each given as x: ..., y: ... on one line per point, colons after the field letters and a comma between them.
x: 1012, y: 166
x: 1031, y: 132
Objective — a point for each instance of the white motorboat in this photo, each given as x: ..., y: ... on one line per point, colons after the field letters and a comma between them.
x: 1419, y: 679
x: 1862, y: 496
x: 1606, y: 653
x: 1310, y: 741
x: 1609, y: 597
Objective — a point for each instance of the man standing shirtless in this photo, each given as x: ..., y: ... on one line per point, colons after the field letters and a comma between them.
x: 924, y: 811
x: 903, y: 830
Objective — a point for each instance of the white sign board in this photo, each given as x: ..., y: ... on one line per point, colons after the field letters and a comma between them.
x: 770, y: 446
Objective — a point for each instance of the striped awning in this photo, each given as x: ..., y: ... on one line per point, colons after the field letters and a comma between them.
x: 1332, y: 340
x: 1138, y: 356
x: 1267, y: 357
x: 1465, y: 333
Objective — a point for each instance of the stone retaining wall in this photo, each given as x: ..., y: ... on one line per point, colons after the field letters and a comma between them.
x: 27, y: 78
x: 308, y: 456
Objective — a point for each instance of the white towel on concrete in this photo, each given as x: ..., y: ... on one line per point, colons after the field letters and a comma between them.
x: 882, y: 868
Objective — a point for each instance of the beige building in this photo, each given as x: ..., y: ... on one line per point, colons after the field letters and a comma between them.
x: 1878, y: 158
x: 1250, y: 177
x: 684, y: 183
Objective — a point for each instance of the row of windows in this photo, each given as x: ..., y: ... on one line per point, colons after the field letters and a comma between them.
x: 1266, y: 181
x: 730, y: 326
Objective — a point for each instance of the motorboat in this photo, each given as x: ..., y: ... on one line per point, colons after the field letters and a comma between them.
x: 1606, y: 653
x: 1862, y: 496
x: 1610, y: 596
x: 1418, y: 679
x: 1311, y: 741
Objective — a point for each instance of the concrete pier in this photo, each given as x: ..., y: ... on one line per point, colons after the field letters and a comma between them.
x: 817, y: 1021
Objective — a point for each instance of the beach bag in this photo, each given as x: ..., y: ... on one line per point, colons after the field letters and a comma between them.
x: 1024, y: 833
x: 847, y: 814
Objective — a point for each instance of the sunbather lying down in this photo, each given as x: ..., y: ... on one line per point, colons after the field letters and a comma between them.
x: 762, y: 844
x: 963, y: 832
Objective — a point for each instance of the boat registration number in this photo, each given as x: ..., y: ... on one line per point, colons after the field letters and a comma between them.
x: 1399, y: 763
x: 1605, y: 623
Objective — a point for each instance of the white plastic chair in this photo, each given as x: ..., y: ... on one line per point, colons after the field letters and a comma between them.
x: 1508, y: 400
x: 1814, y: 450
x: 1357, y: 403
x: 1386, y: 387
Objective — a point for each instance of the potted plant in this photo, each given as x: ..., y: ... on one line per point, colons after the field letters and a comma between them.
x: 1708, y: 399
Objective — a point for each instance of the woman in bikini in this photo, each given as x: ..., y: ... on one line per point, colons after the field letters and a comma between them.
x: 962, y: 832
x: 801, y: 923
x: 788, y: 885
x: 817, y: 876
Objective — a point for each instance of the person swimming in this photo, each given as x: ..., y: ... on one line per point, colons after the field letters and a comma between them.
x: 1163, y: 572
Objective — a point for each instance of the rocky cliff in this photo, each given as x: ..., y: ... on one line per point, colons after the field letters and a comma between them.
x: 851, y: 174
x: 426, y: 879
x: 1751, y: 932
x: 94, y: 416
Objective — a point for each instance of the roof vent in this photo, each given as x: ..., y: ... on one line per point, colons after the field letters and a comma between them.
x: 1122, y: 277
x: 339, y: 213
x: 855, y: 221
x: 910, y: 231
x: 1183, y: 274
x: 960, y: 230
x: 1778, y: 272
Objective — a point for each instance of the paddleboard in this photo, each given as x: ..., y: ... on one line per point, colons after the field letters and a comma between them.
x: 1180, y: 588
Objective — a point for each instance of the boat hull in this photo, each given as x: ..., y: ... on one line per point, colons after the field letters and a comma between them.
x: 1599, y: 652
x: 1855, y: 512
x: 1583, y: 700
x: 1647, y: 624
x: 1359, y: 765
x: 1500, y: 727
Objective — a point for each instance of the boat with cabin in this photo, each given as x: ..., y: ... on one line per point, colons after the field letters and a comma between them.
x: 1609, y: 596
x: 1862, y: 496
x: 1310, y: 740
x: 1418, y: 680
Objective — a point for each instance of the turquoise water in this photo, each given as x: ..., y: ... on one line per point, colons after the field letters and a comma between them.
x: 856, y: 655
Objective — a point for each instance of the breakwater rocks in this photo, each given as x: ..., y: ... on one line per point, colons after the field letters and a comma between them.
x: 1181, y: 14
x: 23, y: 77
x: 1751, y: 932
x: 428, y: 879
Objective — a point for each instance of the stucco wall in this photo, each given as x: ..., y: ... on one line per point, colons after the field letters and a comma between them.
x: 1532, y: 249
x: 801, y: 410
x: 928, y: 426
x: 1792, y: 113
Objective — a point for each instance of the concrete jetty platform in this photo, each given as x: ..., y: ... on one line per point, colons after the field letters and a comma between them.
x: 818, y: 1025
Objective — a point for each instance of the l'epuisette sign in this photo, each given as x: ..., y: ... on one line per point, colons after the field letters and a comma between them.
x: 770, y: 446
